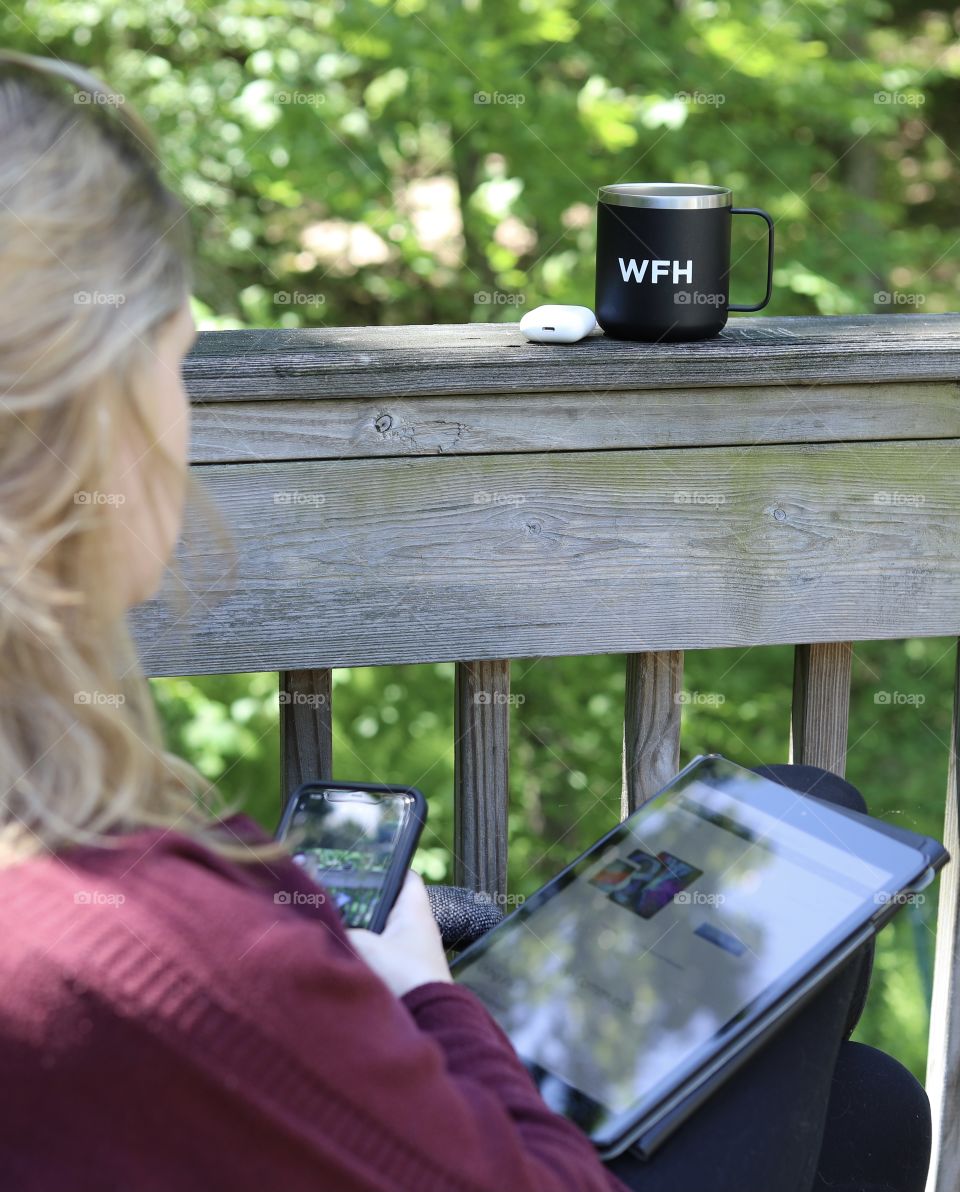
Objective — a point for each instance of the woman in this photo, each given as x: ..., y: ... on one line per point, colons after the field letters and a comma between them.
x: 170, y: 1018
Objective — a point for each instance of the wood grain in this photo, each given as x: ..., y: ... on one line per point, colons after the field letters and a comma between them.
x: 943, y: 1057
x: 581, y: 420
x: 821, y: 705
x: 352, y: 562
x: 481, y: 760
x: 306, y: 728
x: 651, y: 725
x: 453, y: 358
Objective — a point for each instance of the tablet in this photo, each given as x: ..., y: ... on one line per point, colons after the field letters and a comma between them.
x: 639, y: 979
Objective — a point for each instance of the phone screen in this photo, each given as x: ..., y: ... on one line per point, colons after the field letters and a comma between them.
x: 345, y: 840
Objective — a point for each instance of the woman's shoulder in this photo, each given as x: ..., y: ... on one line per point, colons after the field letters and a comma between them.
x: 159, y: 917
x: 159, y: 867
x: 227, y: 989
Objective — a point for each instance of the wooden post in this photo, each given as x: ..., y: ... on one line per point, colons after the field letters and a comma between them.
x: 651, y: 725
x: 481, y: 760
x: 306, y: 728
x: 821, y: 705
x: 943, y: 1057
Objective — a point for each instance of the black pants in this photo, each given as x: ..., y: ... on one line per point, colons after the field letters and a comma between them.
x: 810, y: 1111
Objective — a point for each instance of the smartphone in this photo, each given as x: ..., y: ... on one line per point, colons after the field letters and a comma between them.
x: 357, y: 840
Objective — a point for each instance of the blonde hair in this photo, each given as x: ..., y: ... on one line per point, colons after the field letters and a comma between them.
x: 94, y: 262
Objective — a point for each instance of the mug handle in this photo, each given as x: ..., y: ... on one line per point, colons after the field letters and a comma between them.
x: 763, y: 215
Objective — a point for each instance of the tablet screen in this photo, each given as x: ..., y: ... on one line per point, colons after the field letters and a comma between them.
x: 618, y: 979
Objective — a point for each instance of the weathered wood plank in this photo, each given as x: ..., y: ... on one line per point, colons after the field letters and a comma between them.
x: 821, y: 705
x: 943, y: 1057
x: 651, y: 725
x: 306, y: 728
x: 393, y: 362
x: 587, y: 420
x: 481, y: 758
x: 356, y: 562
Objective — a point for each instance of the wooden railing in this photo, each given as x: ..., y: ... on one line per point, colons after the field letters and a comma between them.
x: 414, y: 494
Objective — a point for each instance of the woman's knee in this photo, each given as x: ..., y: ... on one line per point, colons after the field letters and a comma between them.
x: 878, y: 1132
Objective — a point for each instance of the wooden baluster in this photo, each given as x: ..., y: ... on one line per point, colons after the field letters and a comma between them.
x: 943, y: 1058
x: 821, y: 705
x: 481, y: 759
x: 651, y: 725
x: 306, y: 728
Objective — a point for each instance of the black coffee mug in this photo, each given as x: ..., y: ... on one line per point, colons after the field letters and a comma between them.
x: 663, y: 260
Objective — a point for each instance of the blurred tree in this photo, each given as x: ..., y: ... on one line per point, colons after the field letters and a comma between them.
x: 423, y: 161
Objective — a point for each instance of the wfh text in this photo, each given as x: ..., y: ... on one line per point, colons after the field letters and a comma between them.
x: 631, y: 271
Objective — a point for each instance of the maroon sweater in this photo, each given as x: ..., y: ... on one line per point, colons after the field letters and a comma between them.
x: 171, y: 1021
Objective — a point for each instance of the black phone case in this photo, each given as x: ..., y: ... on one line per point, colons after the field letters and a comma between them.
x: 406, y: 845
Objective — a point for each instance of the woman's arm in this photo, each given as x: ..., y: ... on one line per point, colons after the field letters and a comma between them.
x: 479, y: 1059
x: 452, y: 1085
x: 416, y: 1091
x: 253, y: 1040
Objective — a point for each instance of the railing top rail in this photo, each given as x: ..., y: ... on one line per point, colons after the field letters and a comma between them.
x: 488, y: 358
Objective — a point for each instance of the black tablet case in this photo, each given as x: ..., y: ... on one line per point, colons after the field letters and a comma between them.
x: 646, y: 1139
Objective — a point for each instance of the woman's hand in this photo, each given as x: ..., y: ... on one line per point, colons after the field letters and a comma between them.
x: 409, y: 951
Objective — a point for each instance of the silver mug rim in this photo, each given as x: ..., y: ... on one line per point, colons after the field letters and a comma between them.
x: 677, y: 196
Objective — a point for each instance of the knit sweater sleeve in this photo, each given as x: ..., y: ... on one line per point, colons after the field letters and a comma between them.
x: 421, y: 1094
x: 480, y: 1059
x: 264, y: 1045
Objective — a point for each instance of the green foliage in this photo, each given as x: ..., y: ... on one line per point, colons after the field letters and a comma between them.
x: 436, y: 161
x: 429, y: 161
